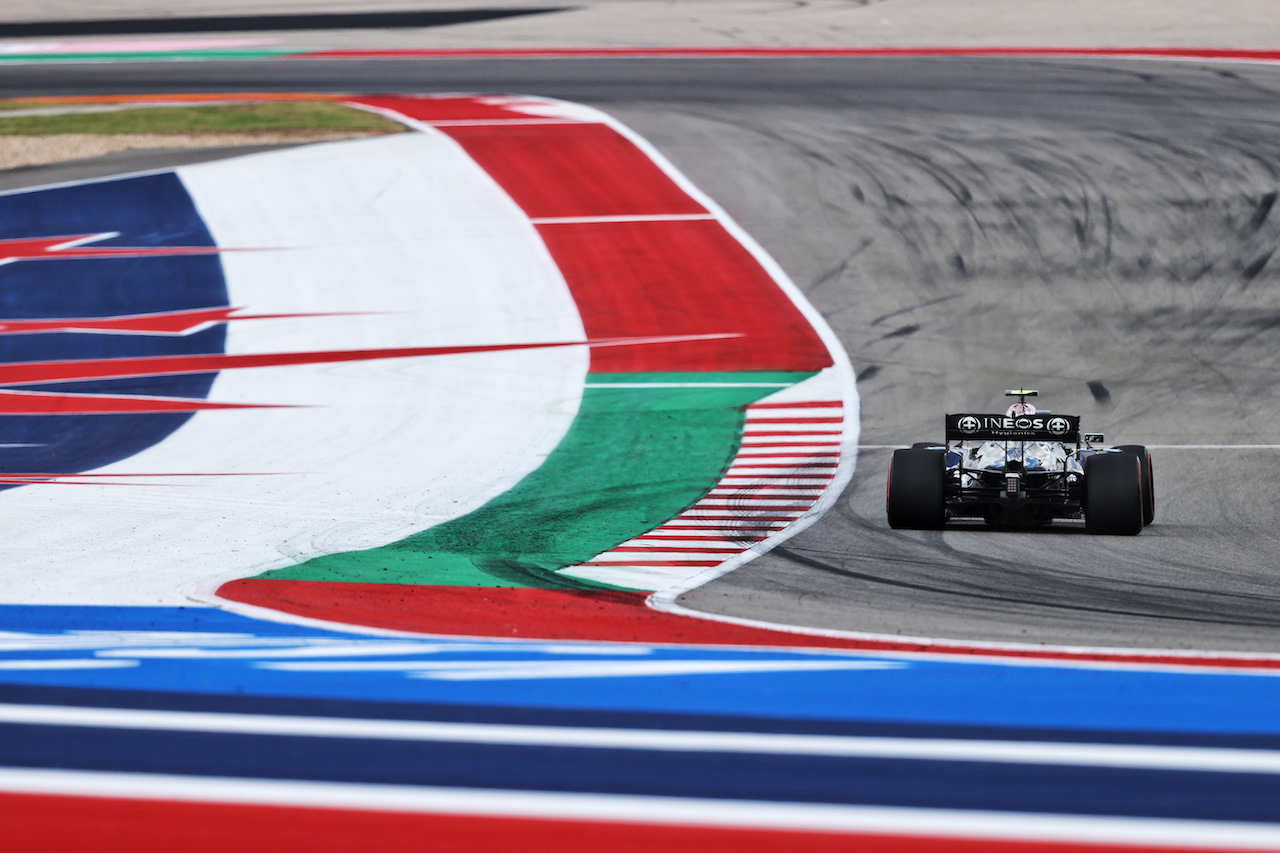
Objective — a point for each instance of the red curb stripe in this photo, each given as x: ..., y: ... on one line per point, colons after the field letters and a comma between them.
x: 771, y: 506
x: 697, y: 564
x: 675, y: 537
x: 790, y: 466
x: 39, y: 372
x: 807, y: 404
x: 763, y: 433
x: 754, y: 420
x: 610, y: 616
x: 815, y: 455
x: 710, y: 282
x: 745, y: 521
x: 814, y: 443
x: 636, y: 549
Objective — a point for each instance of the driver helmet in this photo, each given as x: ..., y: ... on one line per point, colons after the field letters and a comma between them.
x: 1020, y: 409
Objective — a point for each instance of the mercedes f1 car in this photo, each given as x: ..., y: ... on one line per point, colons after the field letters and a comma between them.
x: 1024, y: 467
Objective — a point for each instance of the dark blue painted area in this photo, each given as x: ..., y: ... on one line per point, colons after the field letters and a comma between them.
x: 147, y: 211
x: 716, y: 775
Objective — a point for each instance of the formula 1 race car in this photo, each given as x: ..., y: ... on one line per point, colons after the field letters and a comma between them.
x: 1024, y: 467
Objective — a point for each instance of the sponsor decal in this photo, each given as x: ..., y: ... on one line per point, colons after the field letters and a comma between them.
x: 1021, y: 427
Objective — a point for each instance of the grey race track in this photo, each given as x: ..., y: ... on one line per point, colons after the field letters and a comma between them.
x: 1100, y: 230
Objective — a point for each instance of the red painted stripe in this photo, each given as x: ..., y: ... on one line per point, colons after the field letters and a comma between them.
x: 608, y: 616
x: 1240, y: 55
x: 72, y: 246
x: 814, y: 455
x: 806, y: 404
x: 704, y: 564
x: 675, y: 537
x: 63, y: 824
x: 48, y: 476
x: 37, y: 372
x: 753, y: 420
x: 743, y: 500
x: 744, y: 506
x: 680, y: 278
x: 780, y: 477
x: 52, y: 403
x: 745, y: 520
x: 727, y: 546
x: 636, y: 549
x: 739, y: 510
x: 160, y: 323
x: 565, y: 170
x: 790, y: 466
x: 815, y: 442
x: 762, y: 433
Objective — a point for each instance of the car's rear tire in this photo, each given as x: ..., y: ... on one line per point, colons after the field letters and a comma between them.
x: 914, y: 497
x: 1148, y: 483
x: 1113, y: 494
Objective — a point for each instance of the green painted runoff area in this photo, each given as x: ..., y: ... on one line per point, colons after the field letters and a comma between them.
x: 634, y: 458
x: 245, y: 117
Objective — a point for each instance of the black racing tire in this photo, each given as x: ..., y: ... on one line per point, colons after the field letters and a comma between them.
x: 1148, y: 482
x: 914, y: 496
x: 927, y: 445
x: 1113, y: 494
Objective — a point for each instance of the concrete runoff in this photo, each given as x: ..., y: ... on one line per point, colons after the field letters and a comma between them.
x: 964, y: 225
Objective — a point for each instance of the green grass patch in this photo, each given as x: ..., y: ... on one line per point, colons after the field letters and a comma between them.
x: 212, y: 118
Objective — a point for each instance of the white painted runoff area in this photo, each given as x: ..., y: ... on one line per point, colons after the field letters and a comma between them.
x: 411, y: 233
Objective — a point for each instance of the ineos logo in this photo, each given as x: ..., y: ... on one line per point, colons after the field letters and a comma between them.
x: 968, y: 425
x: 1023, y: 423
x: 1058, y: 426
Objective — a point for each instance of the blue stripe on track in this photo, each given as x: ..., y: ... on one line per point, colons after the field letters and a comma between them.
x: 22, y: 694
x: 766, y: 777
x: 938, y: 696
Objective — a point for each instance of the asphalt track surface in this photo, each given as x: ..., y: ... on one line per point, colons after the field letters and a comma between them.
x: 1100, y: 230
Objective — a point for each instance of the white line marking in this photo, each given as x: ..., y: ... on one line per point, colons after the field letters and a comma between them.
x: 638, y: 217
x: 1191, y: 834
x: 65, y: 663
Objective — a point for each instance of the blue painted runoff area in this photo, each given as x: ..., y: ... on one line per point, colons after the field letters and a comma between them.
x: 148, y: 211
x: 206, y: 652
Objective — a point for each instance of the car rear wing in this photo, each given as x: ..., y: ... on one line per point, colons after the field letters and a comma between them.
x: 1041, y: 427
